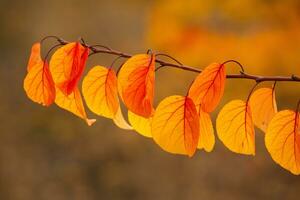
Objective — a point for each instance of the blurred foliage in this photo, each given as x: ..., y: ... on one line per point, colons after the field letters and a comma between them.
x: 50, y: 154
x: 264, y: 35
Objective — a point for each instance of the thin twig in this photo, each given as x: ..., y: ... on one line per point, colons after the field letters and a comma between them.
x: 243, y: 75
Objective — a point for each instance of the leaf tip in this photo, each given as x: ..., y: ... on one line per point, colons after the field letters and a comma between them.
x: 90, y: 122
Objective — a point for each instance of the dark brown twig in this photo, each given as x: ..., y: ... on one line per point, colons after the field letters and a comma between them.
x: 242, y: 75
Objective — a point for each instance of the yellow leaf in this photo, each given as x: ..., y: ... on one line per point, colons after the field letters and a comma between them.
x: 100, y: 91
x: 140, y: 124
x: 175, y: 125
x: 120, y: 121
x: 73, y: 103
x: 208, y: 88
x: 263, y: 107
x: 206, y: 133
x: 136, y: 84
x: 282, y: 140
x: 99, y: 88
x: 235, y: 127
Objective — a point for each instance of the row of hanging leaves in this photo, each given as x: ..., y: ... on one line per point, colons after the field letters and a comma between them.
x: 179, y: 124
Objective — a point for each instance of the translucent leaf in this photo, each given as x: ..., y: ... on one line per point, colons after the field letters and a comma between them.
x: 283, y: 140
x: 235, y: 127
x: 136, y: 84
x: 99, y: 88
x: 100, y: 91
x: 175, y: 125
x: 67, y: 65
x: 120, y: 121
x: 208, y: 88
x: 206, y: 133
x: 140, y: 124
x: 35, y: 56
x: 73, y: 103
x: 263, y: 107
x: 38, y: 83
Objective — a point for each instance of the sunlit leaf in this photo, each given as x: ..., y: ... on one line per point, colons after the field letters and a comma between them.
x: 208, y: 88
x: 206, y: 133
x: 283, y: 140
x: 73, y: 103
x: 120, y: 121
x: 263, y: 106
x: 38, y: 83
x: 35, y: 56
x: 99, y: 88
x: 67, y: 65
x: 136, y: 84
x: 235, y: 127
x: 100, y: 91
x: 175, y: 125
x: 140, y: 124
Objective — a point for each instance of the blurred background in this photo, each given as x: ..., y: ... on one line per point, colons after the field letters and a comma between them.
x: 47, y: 153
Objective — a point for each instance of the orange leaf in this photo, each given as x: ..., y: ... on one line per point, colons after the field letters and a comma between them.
x: 282, y: 140
x: 38, y: 83
x: 263, y: 107
x: 136, y: 84
x: 35, y: 56
x: 73, y: 103
x: 99, y: 88
x: 235, y: 127
x: 206, y: 133
x: 67, y: 65
x: 175, y: 125
x: 140, y: 124
x: 208, y: 88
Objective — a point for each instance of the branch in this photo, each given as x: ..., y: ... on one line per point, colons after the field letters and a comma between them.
x: 242, y: 75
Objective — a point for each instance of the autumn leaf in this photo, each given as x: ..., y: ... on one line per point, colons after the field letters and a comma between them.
x: 263, y: 107
x: 140, y: 124
x: 235, y: 127
x: 67, y: 65
x: 206, y: 133
x: 175, y: 125
x: 38, y: 83
x: 99, y: 88
x: 120, y: 121
x: 282, y: 140
x: 73, y: 103
x: 208, y: 88
x: 100, y: 91
x: 35, y: 56
x: 136, y: 84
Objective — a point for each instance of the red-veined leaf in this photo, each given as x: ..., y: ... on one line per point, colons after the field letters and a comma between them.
x: 282, y: 140
x: 38, y: 83
x: 208, y: 88
x: 235, y: 127
x: 136, y: 84
x: 67, y: 65
x: 175, y: 125
x: 99, y: 88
